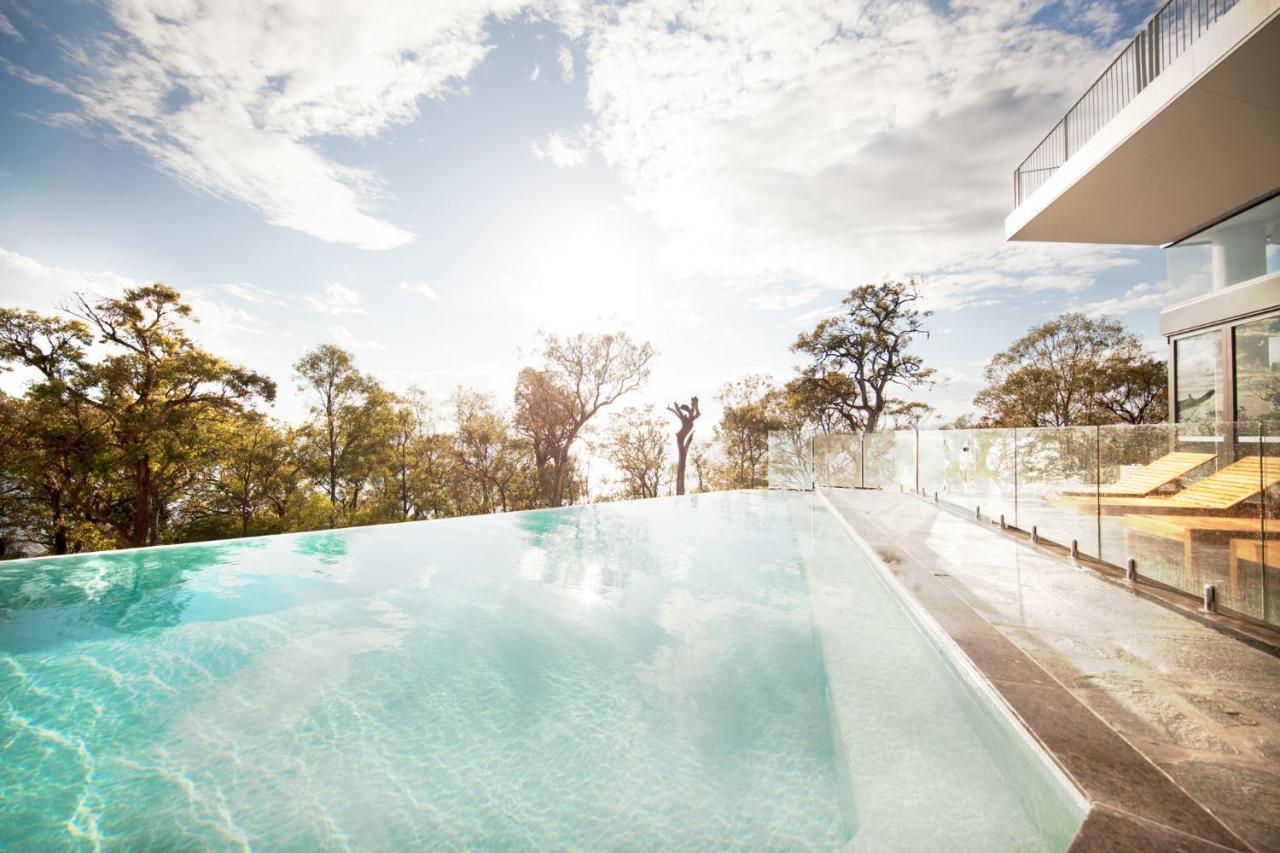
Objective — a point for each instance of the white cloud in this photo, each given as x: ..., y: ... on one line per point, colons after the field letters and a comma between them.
x: 564, y: 58
x: 564, y: 151
x: 782, y: 301
x: 251, y: 293
x: 28, y: 283
x: 337, y: 299
x: 838, y: 143
x: 233, y: 99
x: 535, y: 73
x: 419, y: 287
x: 680, y: 311
x: 1141, y: 296
x: 343, y: 337
x: 7, y: 28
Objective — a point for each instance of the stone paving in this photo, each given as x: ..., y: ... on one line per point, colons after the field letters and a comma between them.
x: 1174, y: 694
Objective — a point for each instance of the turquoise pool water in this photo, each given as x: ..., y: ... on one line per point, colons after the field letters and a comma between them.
x: 707, y: 671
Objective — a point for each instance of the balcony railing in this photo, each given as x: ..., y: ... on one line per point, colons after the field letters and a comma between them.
x: 1191, y: 505
x: 1166, y: 36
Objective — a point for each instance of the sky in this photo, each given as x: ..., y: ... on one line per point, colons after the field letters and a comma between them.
x: 434, y: 184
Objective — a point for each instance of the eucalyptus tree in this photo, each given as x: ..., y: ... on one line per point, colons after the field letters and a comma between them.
x: 636, y: 445
x: 144, y: 406
x: 861, y: 356
x: 581, y: 375
x: 752, y: 407
x: 351, y: 420
x: 1074, y: 370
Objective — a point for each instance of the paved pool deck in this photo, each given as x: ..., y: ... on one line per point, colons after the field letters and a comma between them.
x: 1169, y: 725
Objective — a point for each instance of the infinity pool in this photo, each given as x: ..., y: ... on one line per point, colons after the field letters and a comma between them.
x: 725, y: 669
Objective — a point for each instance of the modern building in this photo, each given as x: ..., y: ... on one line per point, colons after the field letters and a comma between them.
x: 1177, y: 145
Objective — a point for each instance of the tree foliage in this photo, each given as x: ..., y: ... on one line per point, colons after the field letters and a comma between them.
x: 860, y: 356
x: 636, y: 444
x: 1074, y: 370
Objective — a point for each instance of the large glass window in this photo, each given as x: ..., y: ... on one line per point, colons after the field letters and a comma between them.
x: 1198, y: 378
x: 1235, y: 250
x: 1258, y: 370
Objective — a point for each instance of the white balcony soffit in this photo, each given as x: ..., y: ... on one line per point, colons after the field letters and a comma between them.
x: 1203, y: 138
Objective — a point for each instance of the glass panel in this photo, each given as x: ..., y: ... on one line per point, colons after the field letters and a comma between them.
x: 1198, y: 372
x: 1057, y: 485
x: 1190, y: 270
x: 1243, y: 247
x: 942, y: 462
x: 790, y: 460
x: 890, y: 460
x: 838, y: 459
x: 1258, y: 370
x: 976, y: 471
x: 1267, y: 550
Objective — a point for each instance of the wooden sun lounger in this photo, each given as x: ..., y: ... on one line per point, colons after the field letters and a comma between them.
x: 1242, y: 535
x: 1148, y: 478
x: 1221, y: 493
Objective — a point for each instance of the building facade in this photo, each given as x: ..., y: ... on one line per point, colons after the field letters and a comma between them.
x: 1177, y: 145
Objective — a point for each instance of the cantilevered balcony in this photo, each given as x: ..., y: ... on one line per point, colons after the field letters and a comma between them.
x: 1180, y: 129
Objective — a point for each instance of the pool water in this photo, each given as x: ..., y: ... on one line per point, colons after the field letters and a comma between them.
x: 707, y: 671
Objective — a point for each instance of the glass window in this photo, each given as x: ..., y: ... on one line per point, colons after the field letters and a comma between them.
x: 1235, y: 250
x: 1258, y: 370
x: 1198, y: 372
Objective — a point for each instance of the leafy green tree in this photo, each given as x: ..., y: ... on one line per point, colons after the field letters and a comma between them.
x: 1074, y: 370
x: 544, y: 416
x: 351, y: 420
x: 145, y: 403
x: 636, y: 445
x: 860, y: 356
x: 252, y: 485
x: 752, y: 407
x: 489, y: 469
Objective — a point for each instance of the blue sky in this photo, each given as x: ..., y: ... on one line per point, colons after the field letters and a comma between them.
x: 432, y: 184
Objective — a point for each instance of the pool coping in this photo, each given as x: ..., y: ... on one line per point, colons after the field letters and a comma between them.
x: 1130, y: 802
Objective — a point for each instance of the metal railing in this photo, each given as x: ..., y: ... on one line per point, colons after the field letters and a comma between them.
x: 1166, y: 36
x: 1191, y: 505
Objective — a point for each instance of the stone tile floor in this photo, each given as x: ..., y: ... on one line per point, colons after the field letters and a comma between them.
x: 1201, y: 706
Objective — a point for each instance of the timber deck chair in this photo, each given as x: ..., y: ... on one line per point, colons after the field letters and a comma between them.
x: 1148, y: 478
x: 1221, y: 493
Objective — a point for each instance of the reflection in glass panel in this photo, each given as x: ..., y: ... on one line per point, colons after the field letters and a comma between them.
x: 1198, y: 367
x: 1258, y: 370
x: 1236, y: 250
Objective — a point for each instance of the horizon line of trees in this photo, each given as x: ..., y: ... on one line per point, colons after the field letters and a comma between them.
x: 130, y: 434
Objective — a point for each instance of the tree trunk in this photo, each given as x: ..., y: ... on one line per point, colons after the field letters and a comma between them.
x: 59, y: 525
x: 682, y: 451
x: 561, y: 462
x: 684, y: 437
x: 141, y: 527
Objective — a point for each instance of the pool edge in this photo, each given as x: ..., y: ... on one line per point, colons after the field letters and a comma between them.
x: 1147, y: 810
x: 965, y: 667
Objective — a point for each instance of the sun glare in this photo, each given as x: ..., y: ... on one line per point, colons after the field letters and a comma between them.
x: 583, y: 275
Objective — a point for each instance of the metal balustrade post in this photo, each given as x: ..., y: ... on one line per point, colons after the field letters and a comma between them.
x: 1097, y: 481
x: 917, y: 432
x: 1015, y: 476
x: 862, y: 460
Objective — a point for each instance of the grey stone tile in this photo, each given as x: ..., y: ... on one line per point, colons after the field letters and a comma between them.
x: 1105, y: 766
x: 1107, y: 830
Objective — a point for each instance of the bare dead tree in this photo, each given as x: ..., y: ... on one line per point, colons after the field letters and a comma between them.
x: 684, y: 436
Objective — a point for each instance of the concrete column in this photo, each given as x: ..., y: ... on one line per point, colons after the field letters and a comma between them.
x: 1239, y: 253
